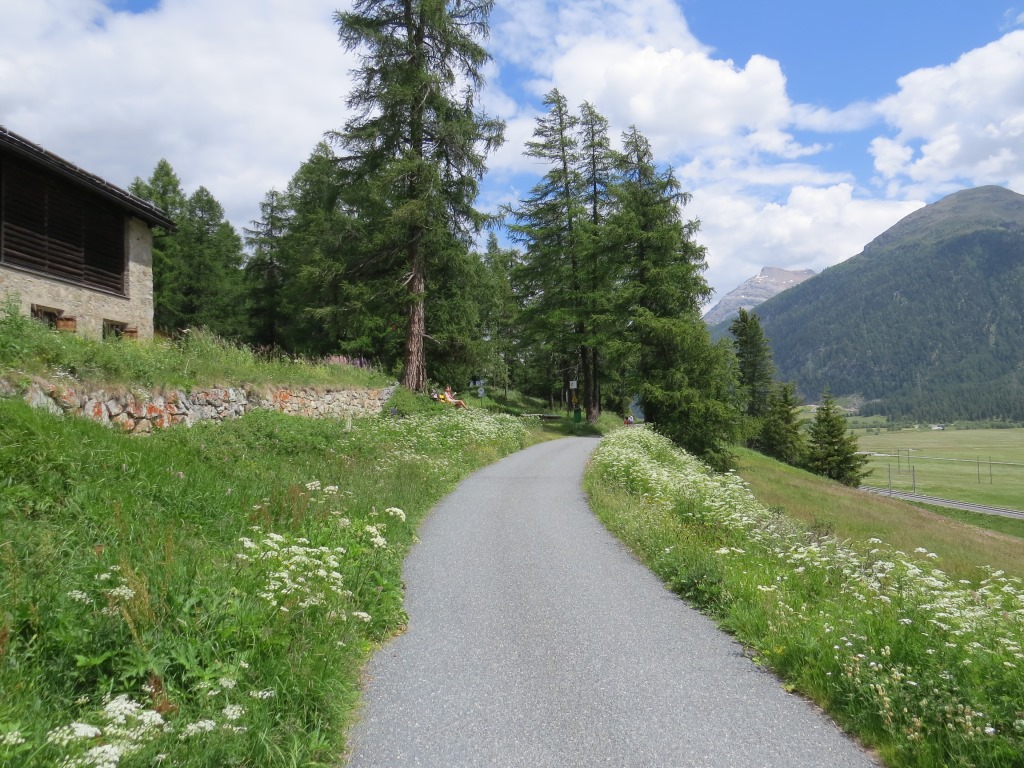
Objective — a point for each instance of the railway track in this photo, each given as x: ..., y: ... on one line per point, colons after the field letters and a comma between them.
x: 951, y: 503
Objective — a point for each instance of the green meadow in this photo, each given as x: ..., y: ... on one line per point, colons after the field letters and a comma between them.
x: 985, y: 466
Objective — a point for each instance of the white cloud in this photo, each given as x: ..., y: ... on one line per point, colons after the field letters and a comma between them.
x: 960, y: 124
x: 234, y: 94
x: 814, y: 228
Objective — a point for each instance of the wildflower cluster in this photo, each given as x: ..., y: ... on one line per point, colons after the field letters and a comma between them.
x: 914, y: 658
x: 126, y: 726
x: 429, y: 439
x: 291, y: 574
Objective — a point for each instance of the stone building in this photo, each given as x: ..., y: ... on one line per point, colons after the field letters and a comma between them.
x: 74, y: 249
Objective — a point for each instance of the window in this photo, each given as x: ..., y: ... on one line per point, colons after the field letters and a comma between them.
x: 46, y: 315
x: 61, y: 230
x: 112, y: 329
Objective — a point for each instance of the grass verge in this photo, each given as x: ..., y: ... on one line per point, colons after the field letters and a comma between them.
x: 207, y: 597
x: 848, y: 513
x: 921, y: 667
x: 28, y: 348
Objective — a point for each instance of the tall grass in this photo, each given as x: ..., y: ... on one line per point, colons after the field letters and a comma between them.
x: 197, y: 358
x: 853, y: 514
x: 917, y: 664
x: 207, y: 597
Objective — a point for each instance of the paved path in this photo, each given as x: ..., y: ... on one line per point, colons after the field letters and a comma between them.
x: 535, y: 639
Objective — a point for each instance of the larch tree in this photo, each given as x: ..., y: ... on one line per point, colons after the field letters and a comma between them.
x: 596, y: 162
x: 416, y: 143
x: 547, y: 223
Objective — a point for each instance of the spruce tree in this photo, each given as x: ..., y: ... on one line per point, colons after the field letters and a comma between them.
x: 756, y: 369
x: 831, y: 451
x: 781, y: 436
x: 416, y: 143
x: 686, y: 384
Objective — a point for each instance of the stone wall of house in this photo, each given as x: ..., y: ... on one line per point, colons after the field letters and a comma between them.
x: 142, y: 412
x: 90, y: 307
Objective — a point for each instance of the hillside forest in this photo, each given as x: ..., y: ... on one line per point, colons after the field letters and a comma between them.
x: 925, y: 324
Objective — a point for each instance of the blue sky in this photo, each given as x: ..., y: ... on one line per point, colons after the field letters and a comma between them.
x: 802, y: 129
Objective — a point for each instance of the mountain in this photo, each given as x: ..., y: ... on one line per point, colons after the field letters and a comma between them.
x: 769, y: 282
x: 925, y: 323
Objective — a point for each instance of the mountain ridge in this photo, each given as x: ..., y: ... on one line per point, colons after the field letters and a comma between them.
x: 769, y: 282
x: 926, y: 322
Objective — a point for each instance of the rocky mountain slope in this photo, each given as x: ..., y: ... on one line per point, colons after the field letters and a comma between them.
x: 769, y: 282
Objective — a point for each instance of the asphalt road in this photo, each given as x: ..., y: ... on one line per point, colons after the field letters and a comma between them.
x: 536, y: 639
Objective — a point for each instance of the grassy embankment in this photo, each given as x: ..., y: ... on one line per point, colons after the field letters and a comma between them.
x: 840, y: 593
x: 205, y: 596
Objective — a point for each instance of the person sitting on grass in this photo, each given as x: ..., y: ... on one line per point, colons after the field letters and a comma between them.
x: 449, y: 397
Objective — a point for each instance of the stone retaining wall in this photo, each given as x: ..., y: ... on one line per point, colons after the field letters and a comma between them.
x: 142, y: 412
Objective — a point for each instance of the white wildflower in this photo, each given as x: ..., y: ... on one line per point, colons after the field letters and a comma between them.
x: 200, y: 726
x: 74, y: 732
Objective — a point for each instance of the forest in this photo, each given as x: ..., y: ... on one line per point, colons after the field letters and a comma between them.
x: 376, y: 253
x: 586, y: 292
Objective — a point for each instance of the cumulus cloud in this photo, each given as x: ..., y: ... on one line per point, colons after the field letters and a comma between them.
x: 814, y: 227
x: 957, y: 125
x: 639, y: 64
x: 234, y: 94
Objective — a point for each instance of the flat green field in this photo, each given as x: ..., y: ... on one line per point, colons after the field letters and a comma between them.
x: 985, y: 466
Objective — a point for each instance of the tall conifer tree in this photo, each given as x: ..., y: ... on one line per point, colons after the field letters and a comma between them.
x: 831, y: 451
x: 781, y: 436
x: 685, y: 383
x: 416, y: 142
x: 548, y: 223
x: 756, y: 370
x: 265, y: 270
x: 597, y: 175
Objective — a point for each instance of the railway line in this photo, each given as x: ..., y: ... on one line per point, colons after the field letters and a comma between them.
x: 951, y: 503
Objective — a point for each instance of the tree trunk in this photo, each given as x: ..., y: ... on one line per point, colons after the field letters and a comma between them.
x: 415, y: 377
x: 593, y: 397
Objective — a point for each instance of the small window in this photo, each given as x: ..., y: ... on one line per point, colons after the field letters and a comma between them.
x: 113, y: 329
x: 46, y: 315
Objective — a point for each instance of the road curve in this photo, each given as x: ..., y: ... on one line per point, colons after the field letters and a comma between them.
x: 535, y: 639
